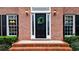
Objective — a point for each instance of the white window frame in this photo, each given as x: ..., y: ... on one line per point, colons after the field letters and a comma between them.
x: 8, y: 24
x: 73, y: 26
x: 47, y: 12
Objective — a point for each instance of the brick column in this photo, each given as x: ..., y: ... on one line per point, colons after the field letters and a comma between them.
x: 57, y: 24
x: 24, y: 24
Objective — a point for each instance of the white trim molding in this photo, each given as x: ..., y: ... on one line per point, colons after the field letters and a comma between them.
x: 40, y: 9
x: 48, y: 14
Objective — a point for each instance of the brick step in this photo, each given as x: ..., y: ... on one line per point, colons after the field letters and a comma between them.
x: 52, y: 45
x: 40, y: 49
x: 41, y: 45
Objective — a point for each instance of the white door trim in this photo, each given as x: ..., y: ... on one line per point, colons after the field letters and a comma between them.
x: 47, y: 36
x: 47, y: 13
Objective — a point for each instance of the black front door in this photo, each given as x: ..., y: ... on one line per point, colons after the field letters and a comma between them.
x: 40, y: 25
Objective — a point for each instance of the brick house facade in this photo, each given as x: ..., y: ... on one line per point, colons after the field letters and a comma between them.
x: 24, y: 21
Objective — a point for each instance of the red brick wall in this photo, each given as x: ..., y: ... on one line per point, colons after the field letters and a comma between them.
x: 8, y: 10
x: 24, y: 24
x: 24, y: 20
x: 57, y: 24
x: 71, y: 10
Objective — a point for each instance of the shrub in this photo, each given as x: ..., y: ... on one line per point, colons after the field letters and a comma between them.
x: 75, y: 46
x: 4, y: 47
x: 8, y: 39
x: 71, y: 39
x: 6, y: 42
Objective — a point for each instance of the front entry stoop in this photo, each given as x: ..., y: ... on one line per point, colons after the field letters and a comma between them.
x: 30, y: 45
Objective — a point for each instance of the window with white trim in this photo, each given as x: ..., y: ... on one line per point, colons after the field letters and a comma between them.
x: 69, y: 25
x: 11, y: 25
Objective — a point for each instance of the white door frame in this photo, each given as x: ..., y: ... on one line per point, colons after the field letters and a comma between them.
x: 48, y: 13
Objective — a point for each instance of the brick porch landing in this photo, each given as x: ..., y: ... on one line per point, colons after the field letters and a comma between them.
x: 45, y: 45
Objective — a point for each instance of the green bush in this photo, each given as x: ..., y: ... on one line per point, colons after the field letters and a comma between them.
x: 75, y: 46
x: 8, y: 39
x: 5, y: 47
x: 6, y: 42
x: 71, y: 39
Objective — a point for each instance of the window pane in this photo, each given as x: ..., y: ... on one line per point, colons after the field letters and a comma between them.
x: 48, y: 23
x: 32, y: 24
x: 68, y: 26
x: 12, y: 24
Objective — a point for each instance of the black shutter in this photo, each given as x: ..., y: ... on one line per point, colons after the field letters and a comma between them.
x: 63, y: 26
x: 17, y: 25
x: 0, y: 25
x: 4, y: 25
x: 77, y: 24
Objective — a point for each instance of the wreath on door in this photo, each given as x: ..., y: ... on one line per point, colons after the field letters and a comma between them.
x: 40, y: 20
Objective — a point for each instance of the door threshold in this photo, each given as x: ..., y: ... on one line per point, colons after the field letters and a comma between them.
x: 40, y: 39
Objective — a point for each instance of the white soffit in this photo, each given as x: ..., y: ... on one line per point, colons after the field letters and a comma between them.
x: 41, y: 9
